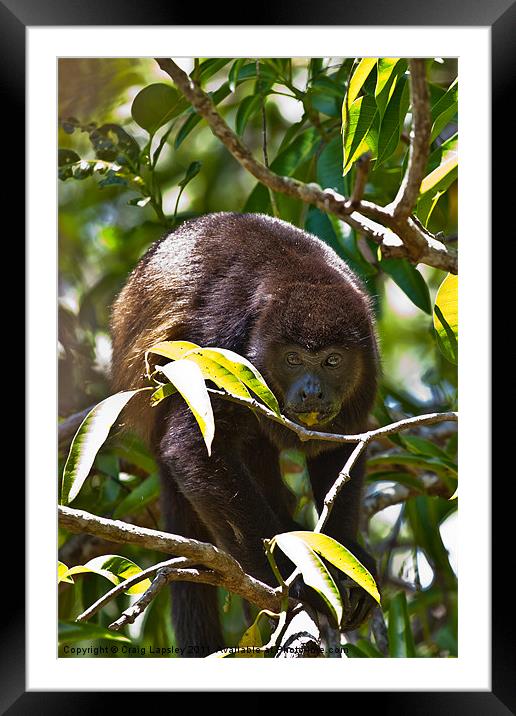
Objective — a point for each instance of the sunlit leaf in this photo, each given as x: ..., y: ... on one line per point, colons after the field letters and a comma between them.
x: 341, y: 558
x: 175, y: 350
x: 388, y: 72
x: 446, y: 319
x: 315, y: 573
x: 114, y: 568
x: 187, y: 377
x: 213, y: 368
x: 360, y: 75
x: 246, y: 372
x: 62, y: 573
x: 360, y: 117
x: 88, y: 439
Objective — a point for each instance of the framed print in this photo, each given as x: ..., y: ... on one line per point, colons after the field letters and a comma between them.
x: 245, y: 263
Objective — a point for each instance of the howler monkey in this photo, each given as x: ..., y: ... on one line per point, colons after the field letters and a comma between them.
x: 283, y: 299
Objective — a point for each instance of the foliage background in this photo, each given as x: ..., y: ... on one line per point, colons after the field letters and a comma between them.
x: 103, y: 232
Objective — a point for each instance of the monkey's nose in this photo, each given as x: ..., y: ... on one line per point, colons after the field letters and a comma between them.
x: 311, y: 389
x: 307, y: 394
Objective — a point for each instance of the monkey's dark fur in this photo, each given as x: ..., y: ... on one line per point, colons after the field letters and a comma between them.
x: 255, y: 285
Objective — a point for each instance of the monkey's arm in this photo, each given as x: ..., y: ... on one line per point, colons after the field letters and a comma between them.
x: 227, y: 499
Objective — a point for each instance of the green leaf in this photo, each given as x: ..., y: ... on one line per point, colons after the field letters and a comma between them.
x: 341, y: 558
x: 233, y: 73
x: 421, y: 446
x: 247, y: 108
x: 188, y: 379
x: 288, y: 160
x: 133, y: 450
x: 446, y: 319
x: 408, y: 278
x: 401, y: 641
x: 441, y: 467
x: 246, y: 372
x: 85, y: 631
x: 391, y: 124
x: 360, y: 75
x: 87, y: 441
x: 313, y: 570
x: 111, y: 142
x: 114, y: 568
x: 157, y: 104
x: 329, y: 167
x: 140, y: 497
x: 363, y: 649
x: 192, y: 171
x: 209, y: 67
x: 444, y: 110
x: 360, y: 117
x: 67, y: 156
x: 164, y: 391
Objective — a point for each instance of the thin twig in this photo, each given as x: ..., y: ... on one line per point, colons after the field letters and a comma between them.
x: 264, y: 136
x: 128, y: 583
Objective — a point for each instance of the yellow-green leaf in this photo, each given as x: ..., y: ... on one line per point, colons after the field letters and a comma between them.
x: 360, y: 118
x: 175, y: 350
x: 449, y: 164
x: 245, y: 372
x: 342, y: 558
x: 187, y: 377
x: 113, y: 567
x: 313, y: 569
x: 62, y: 575
x: 446, y: 319
x: 360, y: 75
x: 216, y: 372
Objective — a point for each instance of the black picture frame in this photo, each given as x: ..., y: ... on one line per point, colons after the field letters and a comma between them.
x: 500, y: 16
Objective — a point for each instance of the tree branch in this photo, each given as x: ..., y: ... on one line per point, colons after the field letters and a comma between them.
x: 235, y: 579
x: 406, y: 198
x: 412, y: 241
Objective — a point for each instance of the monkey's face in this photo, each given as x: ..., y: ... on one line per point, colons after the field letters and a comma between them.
x: 314, y: 385
x: 315, y: 346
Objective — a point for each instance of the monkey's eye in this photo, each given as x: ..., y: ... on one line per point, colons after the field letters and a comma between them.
x: 333, y: 361
x: 293, y: 359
